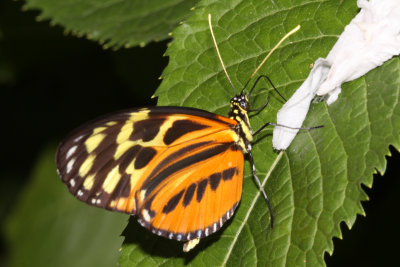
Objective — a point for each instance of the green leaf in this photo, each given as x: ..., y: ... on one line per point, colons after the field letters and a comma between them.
x: 115, y: 23
x: 317, y: 182
x: 49, y: 227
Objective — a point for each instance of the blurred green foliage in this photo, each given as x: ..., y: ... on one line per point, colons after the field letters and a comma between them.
x: 50, y: 228
x: 115, y: 23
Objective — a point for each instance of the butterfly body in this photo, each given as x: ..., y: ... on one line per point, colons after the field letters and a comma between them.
x: 179, y: 170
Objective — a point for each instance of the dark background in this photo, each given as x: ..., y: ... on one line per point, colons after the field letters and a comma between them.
x: 51, y: 82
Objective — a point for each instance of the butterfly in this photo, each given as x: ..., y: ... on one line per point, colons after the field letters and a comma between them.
x: 179, y: 170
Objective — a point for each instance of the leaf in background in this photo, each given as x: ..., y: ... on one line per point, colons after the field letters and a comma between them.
x: 49, y: 227
x: 116, y: 23
x: 317, y: 183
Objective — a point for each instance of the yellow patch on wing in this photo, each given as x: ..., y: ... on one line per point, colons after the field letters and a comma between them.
x: 135, y: 175
x: 111, y: 123
x: 111, y: 180
x: 125, y: 133
x: 94, y: 141
x: 98, y: 130
x: 158, y: 139
x: 141, y: 114
x: 89, y: 181
x: 86, y: 165
x: 122, y: 140
x: 122, y: 148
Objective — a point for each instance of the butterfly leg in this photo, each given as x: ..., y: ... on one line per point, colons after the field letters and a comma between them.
x: 280, y: 125
x: 253, y: 168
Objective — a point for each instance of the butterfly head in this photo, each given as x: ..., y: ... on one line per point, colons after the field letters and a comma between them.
x: 240, y: 102
x: 239, y: 107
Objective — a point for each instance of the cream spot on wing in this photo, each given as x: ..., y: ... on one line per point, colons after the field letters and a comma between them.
x: 190, y: 244
x: 80, y: 193
x: 71, y: 151
x: 78, y: 138
x: 198, y: 233
x: 70, y: 164
x: 142, y: 223
x: 146, y: 215
x: 215, y: 227
x: 72, y: 182
x: 142, y: 194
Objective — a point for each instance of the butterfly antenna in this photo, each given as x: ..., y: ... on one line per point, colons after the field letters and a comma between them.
x: 270, y: 53
x: 219, y: 55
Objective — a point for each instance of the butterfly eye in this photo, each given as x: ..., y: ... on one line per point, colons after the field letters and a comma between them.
x: 244, y: 104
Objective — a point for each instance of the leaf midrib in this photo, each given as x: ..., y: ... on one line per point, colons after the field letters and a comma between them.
x: 245, y: 219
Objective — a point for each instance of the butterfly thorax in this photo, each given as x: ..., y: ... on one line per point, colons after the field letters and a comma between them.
x: 239, y: 106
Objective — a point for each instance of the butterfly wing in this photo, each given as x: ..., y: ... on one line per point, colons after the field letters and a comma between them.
x: 193, y: 189
x: 139, y: 161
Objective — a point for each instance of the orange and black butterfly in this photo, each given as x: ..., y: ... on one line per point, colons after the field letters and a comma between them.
x: 179, y: 170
